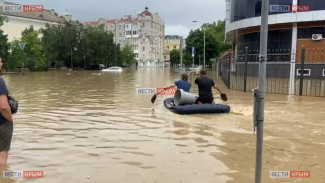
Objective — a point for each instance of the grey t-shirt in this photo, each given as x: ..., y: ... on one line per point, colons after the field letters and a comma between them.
x: 3, y: 91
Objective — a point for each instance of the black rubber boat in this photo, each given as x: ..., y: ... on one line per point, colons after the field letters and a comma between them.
x: 196, y: 108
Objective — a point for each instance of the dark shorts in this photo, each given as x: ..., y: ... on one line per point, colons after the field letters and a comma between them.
x: 204, y: 101
x: 6, y: 131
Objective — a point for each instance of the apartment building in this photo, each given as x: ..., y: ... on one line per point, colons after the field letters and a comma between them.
x: 144, y: 33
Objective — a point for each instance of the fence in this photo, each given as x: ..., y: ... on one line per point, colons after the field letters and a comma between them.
x: 242, y: 75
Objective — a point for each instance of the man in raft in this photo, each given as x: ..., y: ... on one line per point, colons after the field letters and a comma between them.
x: 205, y: 86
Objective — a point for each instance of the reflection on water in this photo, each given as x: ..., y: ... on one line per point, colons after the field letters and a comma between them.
x: 89, y: 123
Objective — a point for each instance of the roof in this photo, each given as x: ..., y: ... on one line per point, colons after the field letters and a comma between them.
x: 111, y: 21
x: 172, y: 37
x: 126, y: 19
x: 146, y: 12
x: 90, y: 23
x: 46, y: 15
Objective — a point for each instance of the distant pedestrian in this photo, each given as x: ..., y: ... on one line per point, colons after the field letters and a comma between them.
x: 6, y: 122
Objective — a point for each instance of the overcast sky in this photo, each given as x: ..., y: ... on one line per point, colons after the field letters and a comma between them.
x: 177, y: 14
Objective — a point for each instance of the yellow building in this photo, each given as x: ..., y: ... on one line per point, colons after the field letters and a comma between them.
x: 19, y: 21
x: 172, y: 42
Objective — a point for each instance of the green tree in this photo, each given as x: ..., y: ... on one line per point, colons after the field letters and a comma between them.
x: 175, y: 57
x: 94, y: 45
x: 2, y: 19
x: 16, y: 57
x: 4, y: 45
x: 27, y: 30
x: 214, y: 37
x: 127, y: 55
x: 35, y: 60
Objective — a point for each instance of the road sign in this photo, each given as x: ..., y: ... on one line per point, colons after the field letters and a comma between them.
x: 193, y: 51
x: 22, y: 45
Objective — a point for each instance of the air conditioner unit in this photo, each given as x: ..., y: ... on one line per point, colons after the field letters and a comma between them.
x: 317, y: 37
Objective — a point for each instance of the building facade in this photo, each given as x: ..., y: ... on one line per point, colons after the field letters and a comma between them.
x: 19, y: 21
x: 294, y: 25
x: 144, y: 33
x: 172, y: 42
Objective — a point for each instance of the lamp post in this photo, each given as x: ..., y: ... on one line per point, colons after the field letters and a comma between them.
x: 75, y: 49
x: 22, y: 47
x: 195, y: 21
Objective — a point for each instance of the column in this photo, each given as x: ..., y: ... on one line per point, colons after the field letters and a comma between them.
x: 293, y: 59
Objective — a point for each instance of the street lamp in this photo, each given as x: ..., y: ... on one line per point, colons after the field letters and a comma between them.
x: 75, y: 49
x: 22, y: 47
x: 195, y: 21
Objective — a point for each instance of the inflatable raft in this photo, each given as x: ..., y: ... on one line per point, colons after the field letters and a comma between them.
x: 196, y: 108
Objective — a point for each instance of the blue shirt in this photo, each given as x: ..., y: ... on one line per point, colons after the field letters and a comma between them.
x: 184, y: 85
x: 3, y: 91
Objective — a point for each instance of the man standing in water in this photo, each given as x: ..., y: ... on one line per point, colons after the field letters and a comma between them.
x: 205, y: 85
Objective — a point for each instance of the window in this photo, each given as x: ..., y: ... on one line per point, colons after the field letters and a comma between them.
x: 314, y: 4
x: 279, y: 41
x: 143, y: 48
x: 242, y: 9
x: 167, y: 47
x: 323, y: 72
x: 306, y: 72
x: 307, y: 33
x: 174, y: 47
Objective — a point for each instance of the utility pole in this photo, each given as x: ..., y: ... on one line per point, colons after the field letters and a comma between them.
x: 195, y: 21
x: 181, y: 51
x: 71, y: 59
x: 259, y: 92
x: 204, y: 49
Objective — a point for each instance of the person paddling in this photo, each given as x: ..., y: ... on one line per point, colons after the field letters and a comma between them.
x: 181, y: 84
x: 205, y: 86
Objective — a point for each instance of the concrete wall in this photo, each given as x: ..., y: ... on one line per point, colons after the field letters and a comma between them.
x: 16, y: 25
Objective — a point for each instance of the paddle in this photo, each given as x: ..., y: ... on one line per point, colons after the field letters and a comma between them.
x: 154, y: 97
x: 222, y: 95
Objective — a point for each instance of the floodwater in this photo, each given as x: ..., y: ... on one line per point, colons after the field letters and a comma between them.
x: 92, y: 127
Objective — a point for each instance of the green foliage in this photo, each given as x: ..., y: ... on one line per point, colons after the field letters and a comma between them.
x: 85, y: 46
x: 27, y: 30
x: 127, y: 55
x: 175, y: 57
x: 214, y: 42
x: 4, y: 45
x: 35, y: 60
x: 2, y: 19
x: 17, y: 56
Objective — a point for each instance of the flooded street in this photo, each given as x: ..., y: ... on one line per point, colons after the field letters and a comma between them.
x: 89, y: 123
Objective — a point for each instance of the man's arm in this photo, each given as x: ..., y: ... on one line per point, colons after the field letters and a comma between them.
x: 170, y: 86
x: 5, y: 108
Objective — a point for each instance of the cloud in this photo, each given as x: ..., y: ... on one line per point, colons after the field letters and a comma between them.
x: 177, y: 14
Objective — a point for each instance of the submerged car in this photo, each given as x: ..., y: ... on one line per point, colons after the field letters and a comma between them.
x: 113, y: 69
